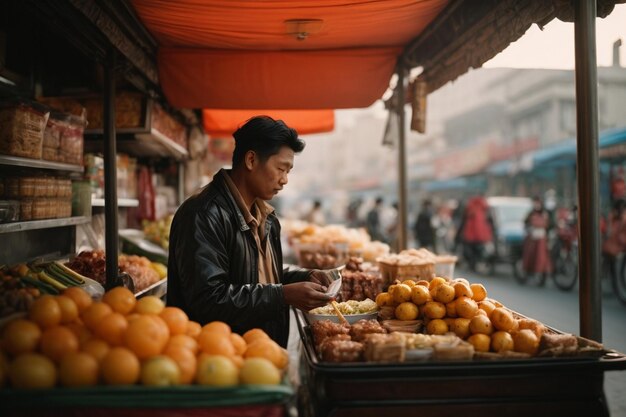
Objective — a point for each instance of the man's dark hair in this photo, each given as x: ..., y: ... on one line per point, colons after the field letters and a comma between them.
x: 265, y: 136
x: 379, y: 201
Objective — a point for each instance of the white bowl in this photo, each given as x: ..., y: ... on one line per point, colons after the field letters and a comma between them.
x: 352, y: 318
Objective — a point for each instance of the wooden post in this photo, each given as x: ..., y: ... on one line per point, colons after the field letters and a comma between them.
x: 402, y: 182
x: 110, y: 172
x: 590, y: 290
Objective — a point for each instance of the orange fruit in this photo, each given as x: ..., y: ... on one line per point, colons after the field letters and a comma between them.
x: 526, y: 341
x: 176, y: 320
x: 82, y: 333
x: 406, y: 311
x: 20, y: 336
x: 217, y: 370
x: 268, y: 349
x: 78, y: 370
x: 480, y: 341
x: 193, y: 328
x: 254, y: 334
x: 45, y: 311
x: 481, y: 324
x: 259, y: 371
x: 218, y: 327
x: 149, y: 305
x: 58, y: 341
x: 186, y: 361
x: 160, y: 371
x: 111, y: 329
x: 444, y: 293
x: 79, y: 296
x: 501, y: 341
x: 97, y: 348
x: 239, y: 343
x: 466, y: 307
x: 401, y: 293
x: 146, y: 336
x: 437, y: 326
x: 184, y: 341
x: 69, y: 309
x: 215, y: 343
x: 420, y: 295
x: 462, y: 290
x: 121, y: 300
x: 94, y: 314
x: 479, y: 291
x: 120, y: 367
x: 32, y: 370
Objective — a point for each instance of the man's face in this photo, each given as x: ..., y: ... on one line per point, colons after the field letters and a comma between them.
x: 270, y: 176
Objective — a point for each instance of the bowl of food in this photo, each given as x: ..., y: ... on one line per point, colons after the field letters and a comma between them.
x: 352, y: 310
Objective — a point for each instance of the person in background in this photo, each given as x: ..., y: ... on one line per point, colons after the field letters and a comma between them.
x: 536, y: 255
x: 424, y: 229
x: 352, y: 213
x: 475, y: 230
x: 372, y: 221
x: 615, y: 241
x: 225, y: 257
x: 392, y: 226
x: 316, y: 215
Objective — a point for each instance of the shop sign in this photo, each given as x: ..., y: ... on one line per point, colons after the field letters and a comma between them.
x: 500, y: 152
x: 462, y: 162
x: 615, y: 151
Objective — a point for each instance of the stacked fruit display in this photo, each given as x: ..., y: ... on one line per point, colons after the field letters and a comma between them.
x: 71, y: 340
x: 463, y: 308
x: 21, y: 284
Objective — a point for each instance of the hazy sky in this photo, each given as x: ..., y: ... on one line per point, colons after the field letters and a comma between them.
x: 554, y: 46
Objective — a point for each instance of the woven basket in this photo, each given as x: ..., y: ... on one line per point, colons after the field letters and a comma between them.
x: 392, y: 272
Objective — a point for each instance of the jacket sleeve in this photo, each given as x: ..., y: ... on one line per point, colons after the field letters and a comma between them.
x: 294, y: 274
x: 203, y: 261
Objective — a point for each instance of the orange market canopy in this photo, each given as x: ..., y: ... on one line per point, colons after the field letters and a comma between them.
x: 222, y: 123
x: 281, y: 54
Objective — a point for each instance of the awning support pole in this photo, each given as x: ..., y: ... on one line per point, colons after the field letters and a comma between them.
x: 402, y: 182
x: 110, y: 172
x: 590, y: 291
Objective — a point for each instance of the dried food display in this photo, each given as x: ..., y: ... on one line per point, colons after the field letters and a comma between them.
x: 360, y: 281
x: 362, y: 328
x: 21, y: 129
x: 92, y: 264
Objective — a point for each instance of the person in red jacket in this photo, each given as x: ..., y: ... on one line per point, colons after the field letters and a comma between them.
x: 476, y: 230
x: 536, y: 256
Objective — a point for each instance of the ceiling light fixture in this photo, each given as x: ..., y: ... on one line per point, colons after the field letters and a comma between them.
x: 302, y: 28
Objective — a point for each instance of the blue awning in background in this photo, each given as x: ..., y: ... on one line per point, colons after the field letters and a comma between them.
x: 467, y: 183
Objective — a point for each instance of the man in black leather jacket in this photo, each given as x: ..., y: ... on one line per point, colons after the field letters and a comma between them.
x: 225, y: 257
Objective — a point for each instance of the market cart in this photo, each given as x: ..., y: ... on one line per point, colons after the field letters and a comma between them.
x: 567, y: 386
x: 135, y: 401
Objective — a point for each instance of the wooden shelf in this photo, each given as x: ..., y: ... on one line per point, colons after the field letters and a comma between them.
x: 39, y: 163
x: 43, y: 224
x: 121, y: 202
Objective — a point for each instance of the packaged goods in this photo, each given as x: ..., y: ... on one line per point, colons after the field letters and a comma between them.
x: 26, y: 210
x: 9, y: 211
x: 21, y: 129
x: 72, y: 140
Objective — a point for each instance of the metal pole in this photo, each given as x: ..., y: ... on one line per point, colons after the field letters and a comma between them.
x: 590, y: 290
x: 110, y: 172
x: 402, y: 183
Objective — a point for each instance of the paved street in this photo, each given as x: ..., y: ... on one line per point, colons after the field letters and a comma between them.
x: 559, y: 309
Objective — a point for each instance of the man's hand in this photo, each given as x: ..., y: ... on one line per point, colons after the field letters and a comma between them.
x: 305, y: 295
x: 320, y: 277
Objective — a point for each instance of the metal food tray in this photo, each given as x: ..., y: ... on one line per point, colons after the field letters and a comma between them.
x: 555, y: 386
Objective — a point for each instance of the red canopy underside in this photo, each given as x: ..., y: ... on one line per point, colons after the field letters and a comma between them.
x: 222, y: 123
x: 239, y: 54
x: 275, y: 80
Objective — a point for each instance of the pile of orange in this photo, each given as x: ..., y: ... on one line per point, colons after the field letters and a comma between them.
x: 463, y: 308
x: 71, y: 340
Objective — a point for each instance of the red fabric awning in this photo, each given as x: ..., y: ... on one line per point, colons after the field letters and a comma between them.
x: 275, y: 80
x: 240, y: 54
x: 222, y: 123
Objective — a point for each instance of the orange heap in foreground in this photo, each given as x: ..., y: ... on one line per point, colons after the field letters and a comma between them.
x: 71, y: 340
